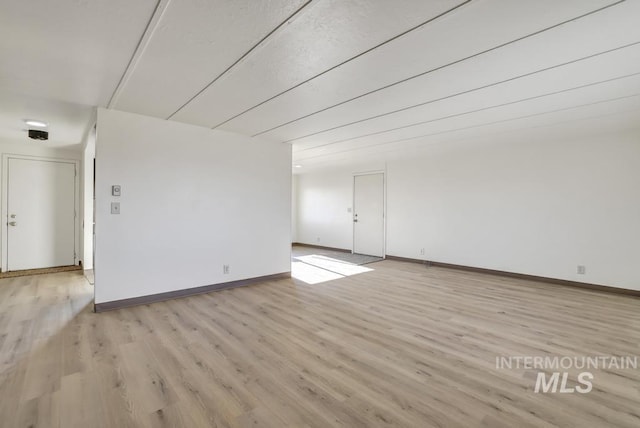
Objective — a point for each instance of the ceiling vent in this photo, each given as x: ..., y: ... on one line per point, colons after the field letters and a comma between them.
x: 37, y: 134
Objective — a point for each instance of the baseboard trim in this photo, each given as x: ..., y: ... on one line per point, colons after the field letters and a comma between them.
x: 565, y: 282
x: 321, y: 247
x: 169, y: 295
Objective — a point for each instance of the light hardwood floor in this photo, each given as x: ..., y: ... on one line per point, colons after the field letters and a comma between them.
x: 402, y: 345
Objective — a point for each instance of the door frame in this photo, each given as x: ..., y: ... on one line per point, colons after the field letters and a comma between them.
x: 4, y: 253
x: 384, y: 209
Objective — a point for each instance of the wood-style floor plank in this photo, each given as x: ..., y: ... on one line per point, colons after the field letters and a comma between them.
x: 400, y: 345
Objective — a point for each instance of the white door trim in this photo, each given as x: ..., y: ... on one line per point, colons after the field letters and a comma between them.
x: 384, y: 209
x: 4, y: 255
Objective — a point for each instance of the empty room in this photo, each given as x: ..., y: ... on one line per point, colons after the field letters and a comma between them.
x: 320, y: 213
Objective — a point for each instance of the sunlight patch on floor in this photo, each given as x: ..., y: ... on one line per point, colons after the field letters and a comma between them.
x: 316, y: 269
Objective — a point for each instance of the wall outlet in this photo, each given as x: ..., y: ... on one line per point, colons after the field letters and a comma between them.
x: 422, y: 251
x: 225, y: 269
x: 582, y: 270
x: 318, y: 239
x: 115, y: 207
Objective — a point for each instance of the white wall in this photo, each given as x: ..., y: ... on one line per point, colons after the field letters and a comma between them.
x: 88, y: 156
x: 537, y: 208
x: 294, y: 208
x: 192, y: 200
x: 323, y: 200
x: 39, y: 149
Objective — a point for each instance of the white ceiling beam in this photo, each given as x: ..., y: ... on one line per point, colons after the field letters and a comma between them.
x: 152, y: 25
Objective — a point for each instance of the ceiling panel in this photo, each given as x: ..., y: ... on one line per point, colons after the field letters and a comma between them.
x: 593, y: 70
x: 602, y: 118
x: 554, y: 105
x: 328, y: 33
x: 193, y: 43
x: 337, y: 79
x: 69, y: 50
x: 468, y: 31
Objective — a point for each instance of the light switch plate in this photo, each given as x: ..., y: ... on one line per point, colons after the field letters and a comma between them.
x: 115, y: 190
x: 115, y: 207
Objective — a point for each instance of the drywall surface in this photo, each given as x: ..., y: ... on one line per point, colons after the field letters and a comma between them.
x: 88, y: 156
x: 536, y: 207
x: 539, y: 209
x: 39, y: 149
x: 192, y: 200
x: 323, y: 202
x: 294, y: 208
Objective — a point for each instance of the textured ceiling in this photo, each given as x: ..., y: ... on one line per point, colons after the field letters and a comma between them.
x: 342, y: 81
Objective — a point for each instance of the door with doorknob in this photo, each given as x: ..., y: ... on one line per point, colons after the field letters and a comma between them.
x: 368, y: 214
x: 40, y: 213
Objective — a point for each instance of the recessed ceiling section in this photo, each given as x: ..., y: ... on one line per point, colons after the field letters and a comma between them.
x: 471, y: 30
x: 192, y: 44
x: 325, y: 35
x: 68, y: 50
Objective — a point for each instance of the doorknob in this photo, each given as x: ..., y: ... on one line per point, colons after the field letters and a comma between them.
x: 13, y: 216
x: 13, y: 223
x: 355, y: 220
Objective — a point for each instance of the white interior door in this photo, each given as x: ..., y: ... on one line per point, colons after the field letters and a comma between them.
x: 41, y: 214
x: 368, y: 214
